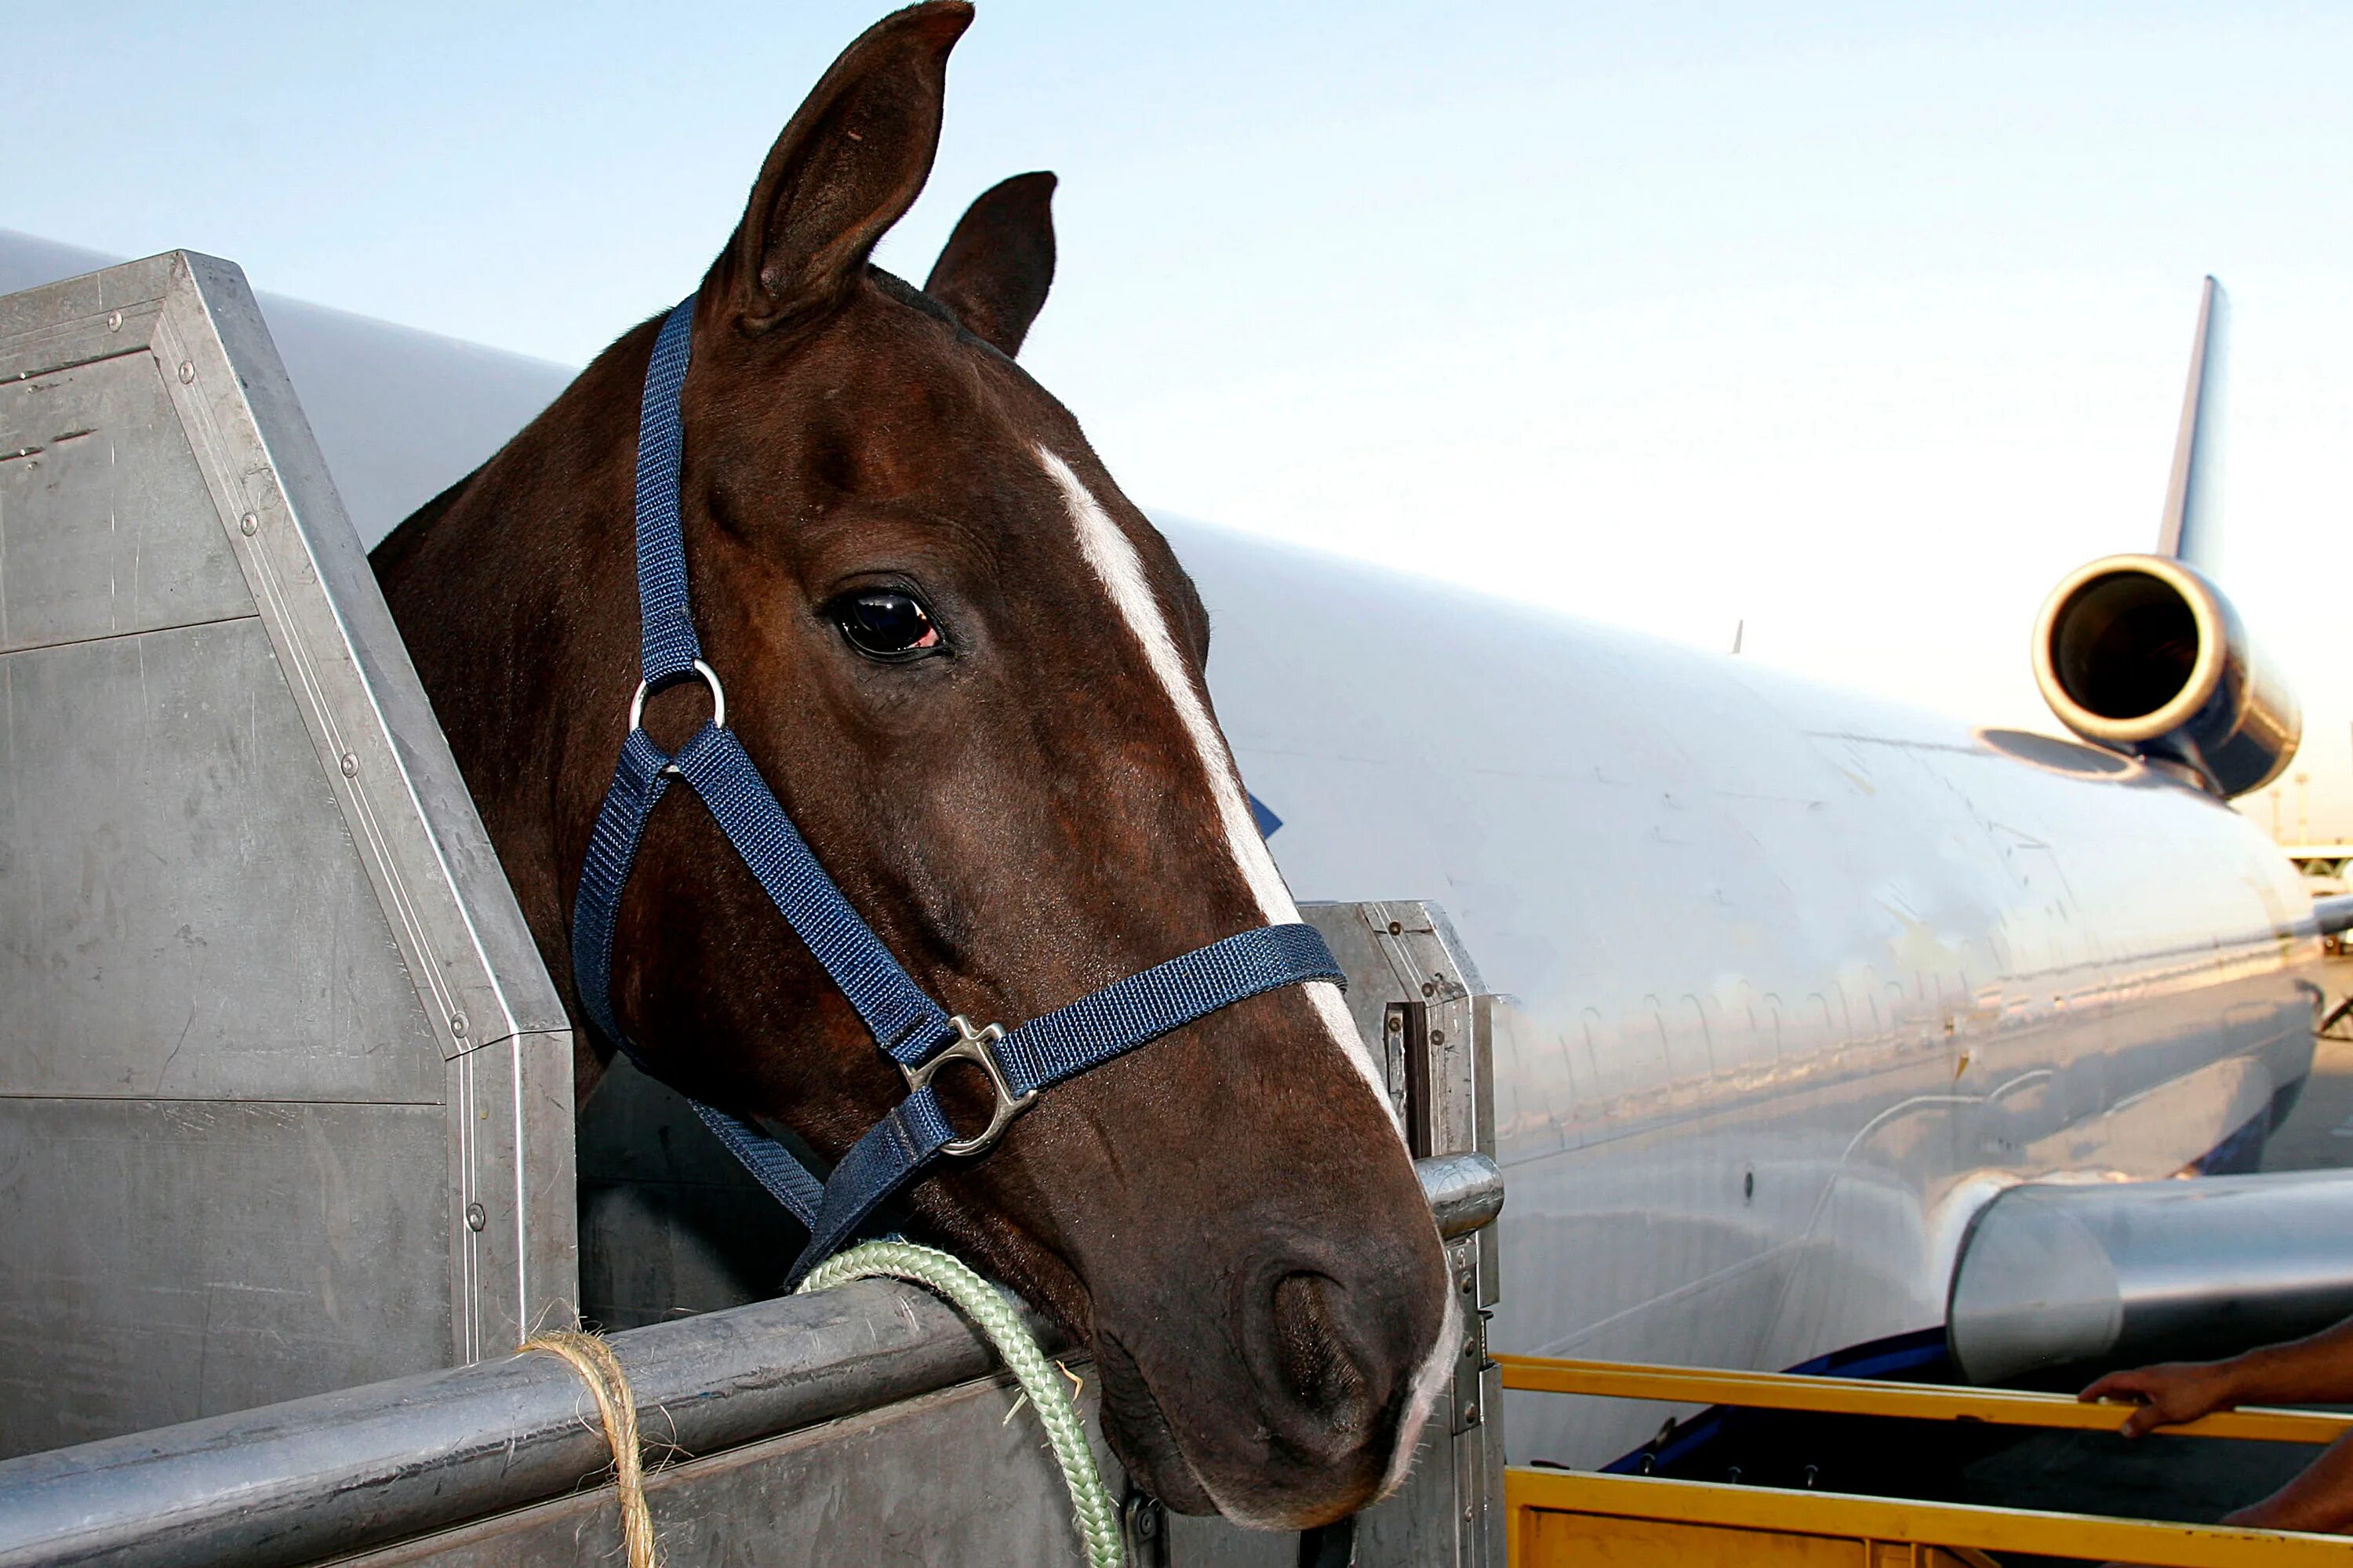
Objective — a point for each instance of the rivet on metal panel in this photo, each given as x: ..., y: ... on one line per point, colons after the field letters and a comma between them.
x: 187, y: 371
x: 1470, y: 1416
x: 1397, y: 1021
x: 1396, y: 927
x: 350, y: 766
x: 458, y: 1024
x: 475, y: 1216
x: 1438, y: 1037
x: 249, y: 524
x: 114, y: 321
x: 1428, y: 988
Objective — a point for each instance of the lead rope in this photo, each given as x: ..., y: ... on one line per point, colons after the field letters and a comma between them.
x: 600, y: 1369
x: 949, y: 1278
x: 977, y: 1300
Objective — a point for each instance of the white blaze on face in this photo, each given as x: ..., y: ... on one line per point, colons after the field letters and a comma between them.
x: 1112, y: 554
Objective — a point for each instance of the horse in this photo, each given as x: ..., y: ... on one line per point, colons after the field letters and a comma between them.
x: 974, y: 673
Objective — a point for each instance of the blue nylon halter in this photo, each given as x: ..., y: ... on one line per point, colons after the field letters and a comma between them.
x: 909, y: 1027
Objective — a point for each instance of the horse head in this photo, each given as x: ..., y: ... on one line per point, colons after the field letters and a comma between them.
x: 973, y: 672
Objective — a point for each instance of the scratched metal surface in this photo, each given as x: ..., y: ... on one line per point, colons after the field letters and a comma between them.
x: 94, y: 475
x: 189, y: 952
x: 184, y: 915
x: 953, y: 1476
x: 169, y: 1259
x: 284, y: 1095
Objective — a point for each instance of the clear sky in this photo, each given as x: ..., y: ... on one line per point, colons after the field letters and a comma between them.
x: 1859, y: 323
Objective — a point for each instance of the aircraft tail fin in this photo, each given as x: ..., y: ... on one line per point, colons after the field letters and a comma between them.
x: 2191, y: 529
x: 2143, y: 654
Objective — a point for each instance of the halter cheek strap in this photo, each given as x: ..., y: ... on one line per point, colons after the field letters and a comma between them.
x: 909, y: 1027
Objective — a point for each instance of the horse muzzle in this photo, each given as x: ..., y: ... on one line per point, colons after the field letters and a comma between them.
x: 1300, y: 1414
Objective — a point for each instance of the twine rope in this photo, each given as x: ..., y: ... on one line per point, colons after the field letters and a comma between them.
x: 600, y: 1369
x: 1040, y: 1380
x: 1042, y: 1386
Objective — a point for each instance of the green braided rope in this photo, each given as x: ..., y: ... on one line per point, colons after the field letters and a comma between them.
x: 1049, y: 1395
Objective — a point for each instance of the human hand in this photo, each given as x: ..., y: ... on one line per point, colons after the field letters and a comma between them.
x: 2168, y: 1394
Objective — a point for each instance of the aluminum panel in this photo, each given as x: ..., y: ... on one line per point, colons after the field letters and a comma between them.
x: 468, y: 951
x: 373, y: 732
x: 94, y: 316
x: 180, y: 911
x: 95, y: 482
x: 237, y: 864
x: 1189, y: 1541
x: 954, y: 1476
x: 203, y: 1257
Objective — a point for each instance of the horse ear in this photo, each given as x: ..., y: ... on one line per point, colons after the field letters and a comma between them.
x: 999, y: 262
x: 850, y: 162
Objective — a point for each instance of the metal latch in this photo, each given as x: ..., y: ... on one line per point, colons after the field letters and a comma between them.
x: 1471, y: 1365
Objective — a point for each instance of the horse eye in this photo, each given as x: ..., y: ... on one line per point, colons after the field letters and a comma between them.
x: 885, y: 624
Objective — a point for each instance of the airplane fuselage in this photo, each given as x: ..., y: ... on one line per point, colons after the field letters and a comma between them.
x: 1802, y: 979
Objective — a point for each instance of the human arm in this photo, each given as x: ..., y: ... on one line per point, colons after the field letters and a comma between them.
x: 2316, y: 1370
x: 2319, y: 1499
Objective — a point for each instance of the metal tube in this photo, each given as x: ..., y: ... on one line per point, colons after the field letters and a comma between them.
x: 2051, y: 1275
x: 1465, y: 1191
x: 316, y: 1478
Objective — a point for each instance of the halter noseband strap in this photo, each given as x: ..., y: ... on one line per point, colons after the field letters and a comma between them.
x: 905, y: 1021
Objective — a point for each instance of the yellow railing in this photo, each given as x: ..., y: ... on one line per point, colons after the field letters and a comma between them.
x: 1560, y: 1517
x: 1920, y: 1401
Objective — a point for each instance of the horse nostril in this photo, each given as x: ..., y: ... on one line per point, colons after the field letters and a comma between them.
x: 1312, y: 1354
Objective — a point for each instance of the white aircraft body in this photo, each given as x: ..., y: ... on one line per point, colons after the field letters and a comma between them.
x: 1801, y: 979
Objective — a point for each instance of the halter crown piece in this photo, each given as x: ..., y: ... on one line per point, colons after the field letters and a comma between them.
x: 909, y: 1027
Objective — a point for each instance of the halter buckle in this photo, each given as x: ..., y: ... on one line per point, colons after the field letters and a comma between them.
x: 974, y: 1045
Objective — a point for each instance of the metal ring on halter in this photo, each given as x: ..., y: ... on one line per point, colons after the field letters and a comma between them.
x: 973, y: 1045
x: 710, y: 678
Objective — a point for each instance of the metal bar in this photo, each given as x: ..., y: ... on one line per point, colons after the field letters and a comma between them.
x: 1465, y: 1191
x: 1860, y: 1396
x: 1841, y: 1516
x: 319, y: 1478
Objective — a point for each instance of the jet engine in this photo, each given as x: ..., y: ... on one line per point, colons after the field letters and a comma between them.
x: 2142, y: 654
